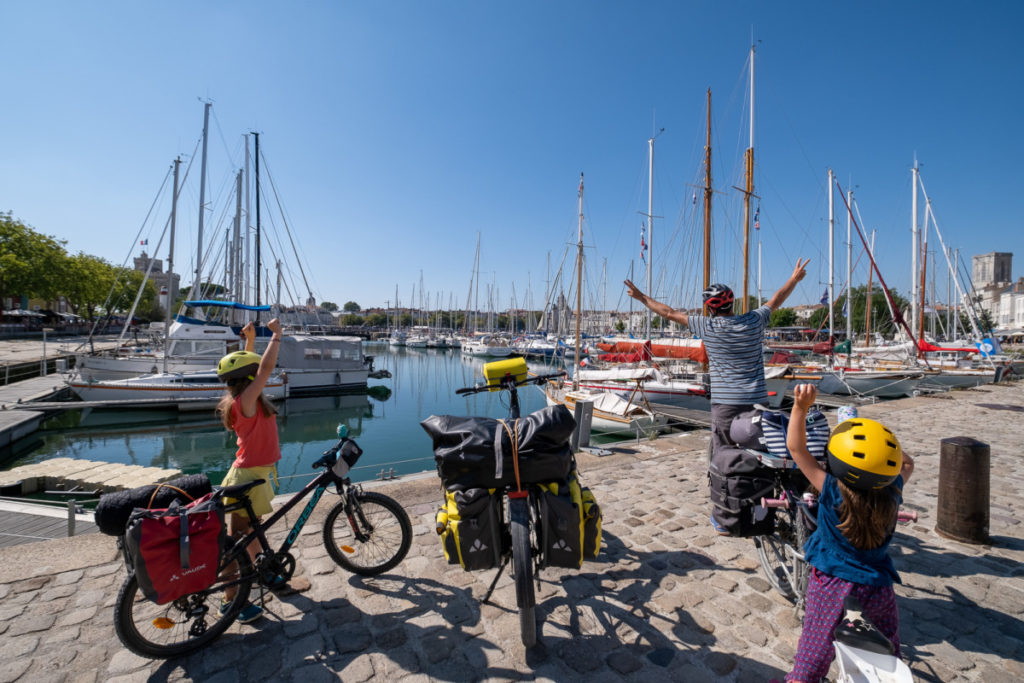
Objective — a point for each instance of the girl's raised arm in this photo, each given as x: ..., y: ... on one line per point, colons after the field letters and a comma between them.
x: 796, y: 435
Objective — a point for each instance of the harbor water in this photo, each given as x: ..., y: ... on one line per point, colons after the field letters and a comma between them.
x: 384, y: 420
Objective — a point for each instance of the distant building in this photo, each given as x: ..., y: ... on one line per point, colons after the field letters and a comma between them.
x: 1010, y: 316
x: 991, y: 269
x: 166, y: 283
x: 804, y: 312
x: 991, y: 276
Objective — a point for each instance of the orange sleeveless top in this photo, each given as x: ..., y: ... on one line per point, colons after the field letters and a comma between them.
x: 257, y: 438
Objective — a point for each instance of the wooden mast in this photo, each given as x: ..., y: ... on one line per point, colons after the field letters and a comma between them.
x: 707, y: 203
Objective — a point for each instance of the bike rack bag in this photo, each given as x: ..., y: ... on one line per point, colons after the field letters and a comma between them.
x: 470, y: 528
x: 476, y: 452
x: 175, y: 551
x: 766, y: 431
x: 115, y: 508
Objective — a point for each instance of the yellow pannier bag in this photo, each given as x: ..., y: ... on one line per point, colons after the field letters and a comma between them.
x: 470, y: 530
x: 591, y: 524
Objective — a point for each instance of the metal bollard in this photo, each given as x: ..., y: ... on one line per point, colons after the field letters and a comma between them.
x: 583, y: 413
x: 71, y: 517
x: 963, y: 505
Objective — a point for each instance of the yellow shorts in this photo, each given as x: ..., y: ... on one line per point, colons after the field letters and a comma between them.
x: 259, y: 495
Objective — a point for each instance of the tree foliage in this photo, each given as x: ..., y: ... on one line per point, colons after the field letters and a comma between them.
x: 881, y: 319
x: 783, y: 317
x: 30, y: 262
x: 351, y: 307
x: 329, y: 306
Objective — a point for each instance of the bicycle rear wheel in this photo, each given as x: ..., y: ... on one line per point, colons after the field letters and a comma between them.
x: 183, y: 625
x: 522, y: 568
x: 374, y: 538
x: 774, y: 552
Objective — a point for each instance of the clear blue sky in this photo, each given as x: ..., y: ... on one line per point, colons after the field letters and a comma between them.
x: 396, y: 131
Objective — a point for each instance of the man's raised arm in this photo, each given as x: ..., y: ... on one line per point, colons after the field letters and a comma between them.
x: 780, y: 296
x: 661, y: 309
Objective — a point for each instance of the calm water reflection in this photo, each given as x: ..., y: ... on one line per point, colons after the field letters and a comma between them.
x: 385, y: 420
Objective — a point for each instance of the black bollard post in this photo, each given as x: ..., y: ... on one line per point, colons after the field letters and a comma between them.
x: 963, y: 490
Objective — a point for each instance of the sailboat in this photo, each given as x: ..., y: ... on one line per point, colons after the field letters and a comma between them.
x: 611, y: 413
x: 206, y: 330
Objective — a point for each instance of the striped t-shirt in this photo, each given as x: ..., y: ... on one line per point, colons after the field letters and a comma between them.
x: 735, y: 359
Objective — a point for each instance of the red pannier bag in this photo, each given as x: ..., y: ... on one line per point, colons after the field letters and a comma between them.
x: 176, y: 551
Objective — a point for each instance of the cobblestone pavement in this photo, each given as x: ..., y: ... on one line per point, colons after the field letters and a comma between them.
x: 667, y: 600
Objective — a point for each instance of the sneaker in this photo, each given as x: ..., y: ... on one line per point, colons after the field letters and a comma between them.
x: 277, y: 583
x: 719, y: 529
x: 249, y: 613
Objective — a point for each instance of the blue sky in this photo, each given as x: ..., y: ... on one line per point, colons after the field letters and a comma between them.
x: 395, y: 132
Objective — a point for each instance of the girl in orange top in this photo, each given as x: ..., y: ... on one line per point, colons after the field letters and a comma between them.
x: 246, y: 411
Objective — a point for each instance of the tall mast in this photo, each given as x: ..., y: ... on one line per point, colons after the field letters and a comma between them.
x: 236, y: 246
x: 256, y: 145
x: 913, y: 248
x: 170, y: 263
x: 707, y: 201
x: 924, y: 270
x: 831, y: 265
x: 849, y: 270
x: 579, y: 291
x: 248, y: 230
x: 202, y: 205
x: 650, y: 224
x: 867, y: 298
x: 749, y: 162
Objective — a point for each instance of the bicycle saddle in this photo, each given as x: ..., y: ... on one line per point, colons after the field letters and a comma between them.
x: 856, y: 631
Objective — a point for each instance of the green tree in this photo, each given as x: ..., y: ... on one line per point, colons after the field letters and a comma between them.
x: 30, y: 262
x: 86, y: 283
x: 620, y: 326
x: 783, y: 317
x: 985, y: 322
x: 329, y: 306
x: 377, y: 320
x: 352, y: 320
x: 351, y: 307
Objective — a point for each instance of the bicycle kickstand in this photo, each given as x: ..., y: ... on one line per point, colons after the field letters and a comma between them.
x: 494, y: 583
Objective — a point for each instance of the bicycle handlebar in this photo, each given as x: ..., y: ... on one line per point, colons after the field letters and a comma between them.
x: 330, y: 456
x: 784, y: 502
x: 505, y: 384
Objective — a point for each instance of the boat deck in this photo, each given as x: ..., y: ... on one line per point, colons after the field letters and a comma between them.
x: 688, y: 417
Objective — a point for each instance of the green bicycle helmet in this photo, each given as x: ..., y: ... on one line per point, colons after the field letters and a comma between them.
x: 864, y: 454
x: 238, y: 365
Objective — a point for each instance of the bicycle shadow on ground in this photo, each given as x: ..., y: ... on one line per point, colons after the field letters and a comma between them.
x: 431, y: 632
x: 913, y: 554
x: 630, y: 611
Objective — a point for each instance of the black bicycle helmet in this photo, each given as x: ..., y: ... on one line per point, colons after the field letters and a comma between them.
x: 238, y: 365
x: 718, y: 298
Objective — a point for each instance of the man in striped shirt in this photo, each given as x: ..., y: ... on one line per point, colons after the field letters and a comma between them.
x: 733, y: 345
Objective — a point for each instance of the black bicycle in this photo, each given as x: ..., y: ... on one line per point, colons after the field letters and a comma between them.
x: 521, y: 543
x: 366, y: 533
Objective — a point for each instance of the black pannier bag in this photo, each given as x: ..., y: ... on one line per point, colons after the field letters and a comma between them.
x: 561, y: 524
x: 766, y: 431
x: 737, y: 482
x: 114, y: 509
x: 469, y: 524
x: 476, y: 452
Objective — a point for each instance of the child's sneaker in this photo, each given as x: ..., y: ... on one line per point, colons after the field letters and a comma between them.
x: 249, y: 613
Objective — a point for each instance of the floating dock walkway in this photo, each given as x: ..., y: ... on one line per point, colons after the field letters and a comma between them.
x: 89, y: 475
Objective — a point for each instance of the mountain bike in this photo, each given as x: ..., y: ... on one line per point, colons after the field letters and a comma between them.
x: 521, y: 541
x: 781, y: 553
x: 366, y: 533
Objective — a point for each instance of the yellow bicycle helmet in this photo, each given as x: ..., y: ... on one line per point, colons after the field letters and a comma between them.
x: 864, y: 454
x: 238, y: 365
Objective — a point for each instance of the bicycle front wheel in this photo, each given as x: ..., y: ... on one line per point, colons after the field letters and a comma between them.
x: 183, y: 625
x: 367, y: 533
x: 522, y: 567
